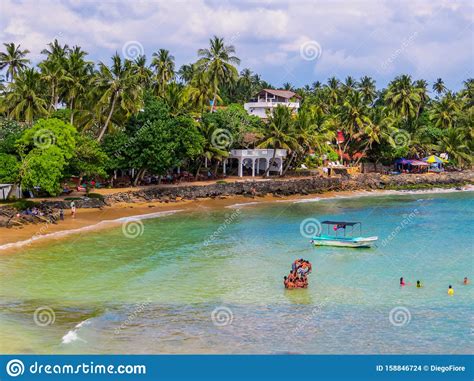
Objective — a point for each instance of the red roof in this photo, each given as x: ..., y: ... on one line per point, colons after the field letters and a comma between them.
x: 287, y: 94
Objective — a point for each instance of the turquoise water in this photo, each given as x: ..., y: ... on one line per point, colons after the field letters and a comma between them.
x: 154, y: 289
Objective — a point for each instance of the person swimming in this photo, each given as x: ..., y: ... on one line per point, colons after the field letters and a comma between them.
x: 402, y: 281
x: 466, y: 281
x: 418, y: 284
x: 450, y: 290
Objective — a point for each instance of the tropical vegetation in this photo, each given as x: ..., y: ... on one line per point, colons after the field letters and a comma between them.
x: 69, y: 116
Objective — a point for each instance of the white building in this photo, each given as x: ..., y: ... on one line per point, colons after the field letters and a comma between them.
x: 257, y: 160
x: 267, y: 99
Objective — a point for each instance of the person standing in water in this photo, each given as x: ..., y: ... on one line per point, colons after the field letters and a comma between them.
x: 73, y: 209
x: 402, y: 282
x: 450, y: 290
x: 418, y: 284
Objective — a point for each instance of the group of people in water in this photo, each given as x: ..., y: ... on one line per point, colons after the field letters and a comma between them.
x: 298, y: 276
x: 420, y: 285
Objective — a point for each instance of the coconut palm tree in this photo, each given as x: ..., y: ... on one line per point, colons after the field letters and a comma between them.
x: 402, y: 97
x: 367, y: 87
x: 163, y: 63
x: 24, y: 100
x: 143, y: 72
x: 218, y: 62
x: 439, y: 87
x: 454, y: 142
x: 186, y: 73
x: 13, y: 59
x: 77, y: 76
x: 120, y: 88
x: 332, y: 90
x: 279, y: 133
x: 445, y: 111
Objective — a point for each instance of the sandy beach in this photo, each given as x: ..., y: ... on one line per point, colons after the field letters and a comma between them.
x: 13, y: 239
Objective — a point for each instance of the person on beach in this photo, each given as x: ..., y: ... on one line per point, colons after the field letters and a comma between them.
x: 418, y: 284
x: 466, y: 281
x: 450, y: 290
x: 61, y: 214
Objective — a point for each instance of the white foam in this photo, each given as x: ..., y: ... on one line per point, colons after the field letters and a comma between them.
x: 64, y: 233
x: 72, y: 335
x: 236, y: 206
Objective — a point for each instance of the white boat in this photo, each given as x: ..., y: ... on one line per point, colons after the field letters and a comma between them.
x: 344, y: 238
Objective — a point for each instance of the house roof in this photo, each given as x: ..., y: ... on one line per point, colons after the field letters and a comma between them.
x: 282, y: 93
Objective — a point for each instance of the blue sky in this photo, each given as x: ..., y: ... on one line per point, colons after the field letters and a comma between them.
x: 292, y: 41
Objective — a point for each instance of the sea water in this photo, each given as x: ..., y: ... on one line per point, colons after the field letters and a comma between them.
x: 210, y: 280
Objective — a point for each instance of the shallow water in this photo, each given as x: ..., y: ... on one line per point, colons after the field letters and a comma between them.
x: 210, y: 281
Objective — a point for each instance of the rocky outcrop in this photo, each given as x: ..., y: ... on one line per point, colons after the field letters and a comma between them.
x: 250, y: 188
x: 299, y: 186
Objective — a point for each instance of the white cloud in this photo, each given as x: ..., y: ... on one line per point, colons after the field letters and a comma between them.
x: 356, y: 36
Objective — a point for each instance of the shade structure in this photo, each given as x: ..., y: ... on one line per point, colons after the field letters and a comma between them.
x: 418, y: 163
x: 402, y: 161
x: 433, y: 159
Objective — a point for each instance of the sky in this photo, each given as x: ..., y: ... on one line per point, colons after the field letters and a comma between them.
x: 296, y: 41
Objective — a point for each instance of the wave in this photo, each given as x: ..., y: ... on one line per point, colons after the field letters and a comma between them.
x: 357, y: 194
x: 98, y: 225
x: 72, y: 335
x: 236, y: 206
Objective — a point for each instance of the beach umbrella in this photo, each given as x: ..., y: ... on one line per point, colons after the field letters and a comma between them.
x: 433, y: 159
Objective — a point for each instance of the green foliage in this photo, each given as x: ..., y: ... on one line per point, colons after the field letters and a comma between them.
x: 9, y: 169
x: 10, y: 132
x: 43, y: 167
x: 46, y: 133
x: 89, y: 158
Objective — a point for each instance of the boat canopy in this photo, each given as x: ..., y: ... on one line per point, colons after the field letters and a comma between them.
x: 340, y: 223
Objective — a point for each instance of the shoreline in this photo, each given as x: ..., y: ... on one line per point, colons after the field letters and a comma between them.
x: 94, y: 219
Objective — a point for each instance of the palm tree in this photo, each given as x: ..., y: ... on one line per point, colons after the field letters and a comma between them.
x: 402, y: 97
x: 163, y: 63
x: 454, y: 143
x: 77, y: 77
x: 186, y: 73
x: 367, y: 87
x: 218, y: 62
x: 278, y: 133
x: 444, y: 112
x: 200, y: 92
x: 120, y: 86
x: 439, y: 87
x: 13, y: 60
x: 56, y: 51
x: 52, y: 73
x: 143, y: 72
x: 211, y: 150
x: 332, y: 88
x: 24, y: 101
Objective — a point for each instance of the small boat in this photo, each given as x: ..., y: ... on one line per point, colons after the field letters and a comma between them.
x: 340, y: 236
